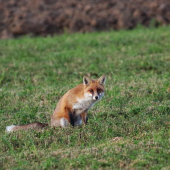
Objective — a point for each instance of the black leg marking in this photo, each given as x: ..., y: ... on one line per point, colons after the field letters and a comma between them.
x: 71, y: 116
x: 86, y: 120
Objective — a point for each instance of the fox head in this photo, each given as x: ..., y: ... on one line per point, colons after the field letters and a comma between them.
x: 94, y: 88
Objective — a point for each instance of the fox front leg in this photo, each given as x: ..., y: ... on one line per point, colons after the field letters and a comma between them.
x: 84, y: 118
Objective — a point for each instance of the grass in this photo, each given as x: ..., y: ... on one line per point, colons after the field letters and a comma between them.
x: 128, y: 129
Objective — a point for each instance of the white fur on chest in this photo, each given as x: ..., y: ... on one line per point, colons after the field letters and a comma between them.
x: 83, y: 104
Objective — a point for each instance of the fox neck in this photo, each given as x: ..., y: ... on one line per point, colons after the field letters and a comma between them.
x: 85, y: 103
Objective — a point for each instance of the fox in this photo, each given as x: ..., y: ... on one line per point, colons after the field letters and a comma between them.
x: 73, y: 106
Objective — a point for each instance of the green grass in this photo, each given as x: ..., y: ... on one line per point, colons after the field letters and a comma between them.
x: 128, y: 129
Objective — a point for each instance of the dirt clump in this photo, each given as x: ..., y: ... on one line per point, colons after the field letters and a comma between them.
x: 49, y: 17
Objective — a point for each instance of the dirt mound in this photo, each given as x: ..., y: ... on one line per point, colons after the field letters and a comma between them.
x: 43, y: 17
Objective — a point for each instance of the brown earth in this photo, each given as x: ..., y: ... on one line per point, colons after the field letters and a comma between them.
x: 43, y: 17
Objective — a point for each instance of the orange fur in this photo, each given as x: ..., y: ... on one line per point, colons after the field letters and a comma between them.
x: 73, y: 106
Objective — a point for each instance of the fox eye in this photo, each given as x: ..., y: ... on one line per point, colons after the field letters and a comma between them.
x: 91, y: 91
x: 99, y: 90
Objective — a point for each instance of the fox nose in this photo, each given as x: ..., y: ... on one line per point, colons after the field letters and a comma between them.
x: 96, y: 97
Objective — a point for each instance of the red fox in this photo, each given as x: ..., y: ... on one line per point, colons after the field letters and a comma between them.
x: 73, y: 106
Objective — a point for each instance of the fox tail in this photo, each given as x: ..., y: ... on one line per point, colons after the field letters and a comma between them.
x: 35, y: 126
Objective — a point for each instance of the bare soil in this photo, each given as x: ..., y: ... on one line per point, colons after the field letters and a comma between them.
x: 49, y: 17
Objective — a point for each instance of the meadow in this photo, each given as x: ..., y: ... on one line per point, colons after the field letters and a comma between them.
x: 128, y: 129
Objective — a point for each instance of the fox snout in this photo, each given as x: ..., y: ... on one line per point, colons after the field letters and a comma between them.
x: 98, y: 96
x: 95, y: 97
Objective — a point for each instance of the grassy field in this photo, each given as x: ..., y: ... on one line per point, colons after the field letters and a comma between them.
x: 128, y: 129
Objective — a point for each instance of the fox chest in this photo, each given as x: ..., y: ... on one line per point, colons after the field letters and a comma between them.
x: 82, y: 105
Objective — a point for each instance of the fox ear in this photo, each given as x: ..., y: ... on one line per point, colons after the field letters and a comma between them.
x: 102, y: 80
x: 86, y: 80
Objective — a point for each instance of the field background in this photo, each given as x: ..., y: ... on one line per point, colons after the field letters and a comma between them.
x: 51, y: 17
x: 127, y: 129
